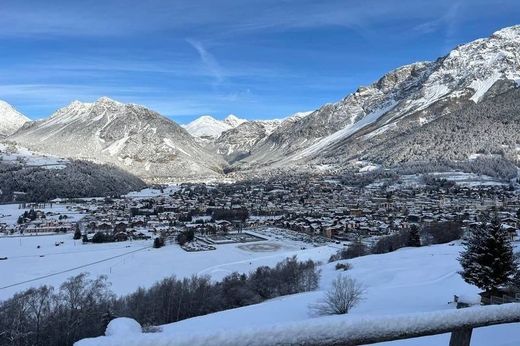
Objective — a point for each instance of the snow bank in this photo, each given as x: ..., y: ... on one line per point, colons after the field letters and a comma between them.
x: 123, y: 326
x: 328, y: 330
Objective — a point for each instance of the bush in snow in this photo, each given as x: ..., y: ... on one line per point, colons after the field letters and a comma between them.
x: 443, y: 232
x: 487, y: 260
x: 344, y: 294
x: 158, y: 242
x: 356, y: 249
x: 77, y: 234
x: 414, y: 238
x: 343, y: 266
x: 392, y: 242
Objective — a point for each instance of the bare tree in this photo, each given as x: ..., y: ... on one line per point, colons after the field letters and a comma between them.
x: 344, y: 294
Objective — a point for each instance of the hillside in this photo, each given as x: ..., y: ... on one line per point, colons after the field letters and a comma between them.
x: 129, y: 136
x: 29, y: 177
x: 435, y: 281
x: 399, y: 103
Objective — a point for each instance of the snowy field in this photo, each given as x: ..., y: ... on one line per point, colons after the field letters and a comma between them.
x: 130, y: 264
x: 17, y: 153
x: 9, y: 213
x: 152, y: 192
x: 460, y: 178
x: 409, y: 280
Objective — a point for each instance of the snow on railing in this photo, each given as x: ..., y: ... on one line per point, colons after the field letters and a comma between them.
x: 332, y: 330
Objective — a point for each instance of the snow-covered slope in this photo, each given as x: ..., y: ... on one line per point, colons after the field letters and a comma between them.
x: 10, y: 119
x: 404, y: 98
x: 234, y: 121
x: 127, y: 135
x: 419, y: 281
x: 208, y: 127
x: 237, y: 142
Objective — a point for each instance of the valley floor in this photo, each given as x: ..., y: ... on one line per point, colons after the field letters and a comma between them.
x: 132, y: 264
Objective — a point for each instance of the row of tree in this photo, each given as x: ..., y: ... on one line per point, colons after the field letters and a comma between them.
x: 435, y: 233
x: 82, y: 307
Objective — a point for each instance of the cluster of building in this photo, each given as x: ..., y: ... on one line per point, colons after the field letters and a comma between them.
x: 318, y: 206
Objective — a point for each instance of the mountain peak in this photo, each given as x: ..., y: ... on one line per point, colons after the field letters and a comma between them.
x: 512, y: 32
x: 107, y: 100
x: 10, y: 119
x: 208, y: 126
x: 233, y: 120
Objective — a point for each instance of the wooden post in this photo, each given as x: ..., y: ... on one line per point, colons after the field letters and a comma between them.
x: 461, y: 337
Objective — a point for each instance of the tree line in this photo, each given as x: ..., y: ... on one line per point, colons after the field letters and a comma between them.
x: 76, y: 179
x: 82, y: 307
x: 435, y: 233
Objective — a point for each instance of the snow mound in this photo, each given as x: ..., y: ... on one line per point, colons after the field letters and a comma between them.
x: 123, y: 326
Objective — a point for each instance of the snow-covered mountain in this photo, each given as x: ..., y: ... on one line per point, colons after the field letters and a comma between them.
x: 237, y: 142
x: 127, y: 135
x: 10, y: 119
x: 415, y: 101
x: 402, y: 100
x: 208, y: 127
x: 234, y: 121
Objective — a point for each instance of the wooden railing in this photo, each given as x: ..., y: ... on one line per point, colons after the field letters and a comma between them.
x: 336, y: 331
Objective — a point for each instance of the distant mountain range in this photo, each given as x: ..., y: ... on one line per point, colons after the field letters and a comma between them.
x: 127, y: 135
x: 423, y: 112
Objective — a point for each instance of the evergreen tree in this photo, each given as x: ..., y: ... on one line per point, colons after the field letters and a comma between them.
x: 99, y: 237
x: 414, y: 238
x: 158, y: 242
x: 77, y: 233
x: 487, y: 260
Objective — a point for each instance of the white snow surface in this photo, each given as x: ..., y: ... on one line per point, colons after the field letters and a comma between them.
x: 208, y: 126
x: 123, y: 326
x: 28, y: 266
x: 10, y: 119
x: 14, y: 154
x: 348, y: 130
x: 333, y: 329
x: 408, y: 288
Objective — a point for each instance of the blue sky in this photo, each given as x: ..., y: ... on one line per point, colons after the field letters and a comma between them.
x: 257, y: 59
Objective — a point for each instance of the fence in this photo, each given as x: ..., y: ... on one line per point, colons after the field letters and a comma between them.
x: 504, y: 299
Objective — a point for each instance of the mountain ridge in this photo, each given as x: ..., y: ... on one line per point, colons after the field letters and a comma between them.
x: 402, y: 101
x: 10, y: 119
x: 127, y: 135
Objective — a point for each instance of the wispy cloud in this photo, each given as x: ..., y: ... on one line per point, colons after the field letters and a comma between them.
x: 209, y: 61
x: 447, y: 23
